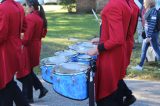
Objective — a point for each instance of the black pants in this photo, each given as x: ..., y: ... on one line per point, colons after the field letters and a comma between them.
x: 35, y: 81
x: 27, y: 88
x: 28, y: 83
x: 123, y: 89
x: 12, y: 93
x: 109, y: 100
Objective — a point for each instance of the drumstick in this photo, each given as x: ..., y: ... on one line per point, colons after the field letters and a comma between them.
x: 95, y: 15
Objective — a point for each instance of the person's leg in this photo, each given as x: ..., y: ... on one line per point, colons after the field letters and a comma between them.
x: 38, y: 85
x: 16, y: 93
x: 125, y: 90
x: 144, y: 51
x: 108, y: 101
x: 27, y: 88
x: 127, y: 93
x: 155, y: 45
x: 30, y: 89
x: 36, y: 82
x: 6, y: 99
x: 1, y: 96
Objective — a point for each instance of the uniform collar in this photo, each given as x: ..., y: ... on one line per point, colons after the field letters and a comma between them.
x: 35, y: 12
x: 9, y: 0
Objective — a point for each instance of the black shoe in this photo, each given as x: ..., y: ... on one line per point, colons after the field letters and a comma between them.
x: 43, y: 92
x: 30, y: 100
x: 129, y: 100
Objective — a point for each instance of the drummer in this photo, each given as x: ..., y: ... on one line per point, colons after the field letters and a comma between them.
x: 110, y: 61
x: 35, y: 31
x: 11, y: 19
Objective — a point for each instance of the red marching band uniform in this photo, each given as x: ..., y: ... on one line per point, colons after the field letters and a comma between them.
x: 131, y: 32
x: 32, y: 43
x: 130, y: 35
x: 115, y: 16
x: 10, y: 42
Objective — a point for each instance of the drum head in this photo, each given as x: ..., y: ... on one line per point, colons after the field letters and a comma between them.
x: 66, y: 53
x: 84, y: 56
x: 87, y: 44
x: 82, y: 47
x: 71, y: 68
x: 55, y: 60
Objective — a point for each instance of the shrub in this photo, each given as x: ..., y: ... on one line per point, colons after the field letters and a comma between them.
x: 69, y: 4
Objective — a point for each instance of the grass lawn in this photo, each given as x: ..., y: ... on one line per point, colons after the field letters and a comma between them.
x: 62, y: 26
x: 151, y: 70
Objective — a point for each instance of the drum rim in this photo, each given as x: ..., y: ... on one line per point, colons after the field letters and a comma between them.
x: 48, y: 65
x: 76, y: 73
x: 63, y: 74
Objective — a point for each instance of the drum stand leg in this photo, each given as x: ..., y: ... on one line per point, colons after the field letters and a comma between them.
x: 91, y: 89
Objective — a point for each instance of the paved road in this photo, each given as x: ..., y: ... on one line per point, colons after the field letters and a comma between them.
x: 147, y: 93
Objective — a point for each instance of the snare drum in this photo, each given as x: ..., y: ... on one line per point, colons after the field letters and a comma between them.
x: 70, y: 54
x: 47, y: 71
x: 48, y: 66
x: 82, y: 47
x: 70, y: 80
x: 83, y: 58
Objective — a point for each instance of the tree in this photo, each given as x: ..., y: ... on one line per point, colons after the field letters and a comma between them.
x: 69, y: 4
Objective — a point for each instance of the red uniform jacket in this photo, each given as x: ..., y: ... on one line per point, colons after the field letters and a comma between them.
x: 110, y: 63
x: 11, y: 20
x: 26, y: 68
x: 130, y: 34
x: 32, y: 37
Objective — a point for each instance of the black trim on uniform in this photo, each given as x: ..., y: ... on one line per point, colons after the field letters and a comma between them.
x: 101, y: 47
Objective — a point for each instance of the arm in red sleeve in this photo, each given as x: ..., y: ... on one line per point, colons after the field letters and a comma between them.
x: 44, y: 33
x: 24, y: 25
x: 132, y: 29
x: 116, y: 34
x: 29, y: 31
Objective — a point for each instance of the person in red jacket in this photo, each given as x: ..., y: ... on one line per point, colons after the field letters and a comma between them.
x: 115, y: 17
x: 35, y: 31
x: 11, y: 23
x: 123, y: 89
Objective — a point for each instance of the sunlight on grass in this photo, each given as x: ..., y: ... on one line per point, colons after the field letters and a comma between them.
x: 151, y: 70
x: 62, y: 26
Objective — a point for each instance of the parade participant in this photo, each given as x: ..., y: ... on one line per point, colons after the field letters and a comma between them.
x: 123, y: 89
x: 36, y: 30
x: 111, y: 49
x: 151, y: 32
x: 11, y: 22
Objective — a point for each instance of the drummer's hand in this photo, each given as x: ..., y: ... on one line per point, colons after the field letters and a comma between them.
x: 148, y: 40
x: 95, y: 41
x: 93, y: 51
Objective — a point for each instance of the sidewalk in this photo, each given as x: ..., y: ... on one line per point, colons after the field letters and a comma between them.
x: 147, y: 93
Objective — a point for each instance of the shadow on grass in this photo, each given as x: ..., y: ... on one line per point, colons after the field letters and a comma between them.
x: 72, y: 25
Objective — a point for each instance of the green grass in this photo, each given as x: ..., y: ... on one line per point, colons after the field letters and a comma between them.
x: 62, y: 26
x: 151, y: 70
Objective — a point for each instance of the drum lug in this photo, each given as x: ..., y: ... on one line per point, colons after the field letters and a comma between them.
x: 51, y: 77
x: 46, y: 71
x: 73, y: 80
x: 58, y: 80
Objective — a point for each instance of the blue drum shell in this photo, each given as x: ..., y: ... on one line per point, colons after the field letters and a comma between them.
x: 47, y: 71
x: 94, y: 57
x: 73, y: 58
x: 71, y: 86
